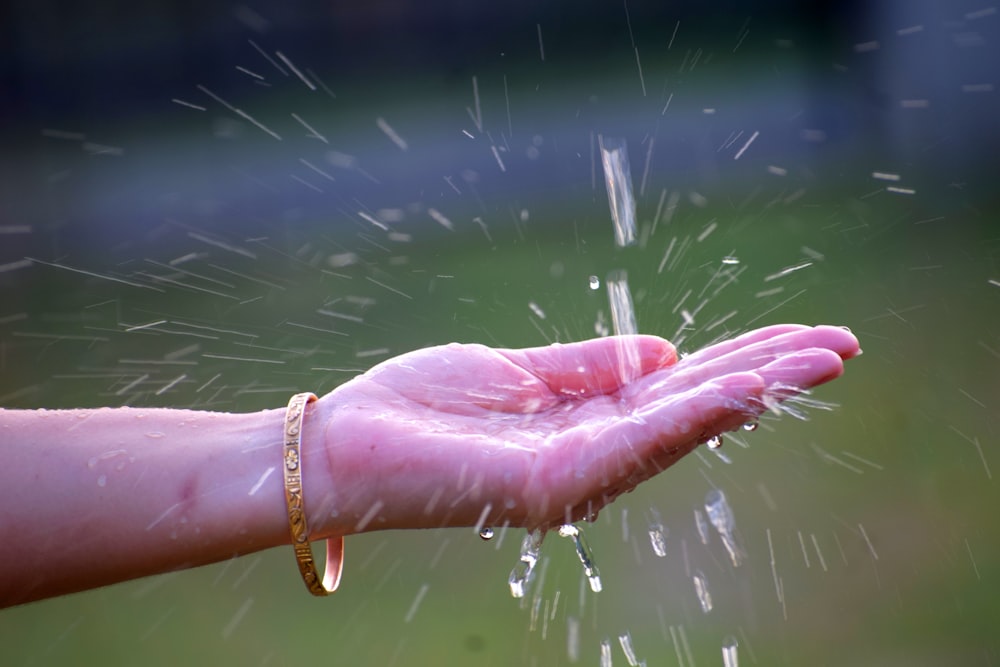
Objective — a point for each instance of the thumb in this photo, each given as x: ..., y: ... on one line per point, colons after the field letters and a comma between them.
x: 593, y: 367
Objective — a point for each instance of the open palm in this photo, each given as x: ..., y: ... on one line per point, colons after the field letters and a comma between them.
x: 469, y: 435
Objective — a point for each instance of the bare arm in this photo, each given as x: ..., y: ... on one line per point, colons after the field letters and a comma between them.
x: 91, y: 497
x: 446, y: 436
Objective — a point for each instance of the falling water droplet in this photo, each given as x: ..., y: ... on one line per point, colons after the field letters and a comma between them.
x: 701, y: 588
x: 595, y: 282
x: 729, y: 259
x: 628, y: 649
x: 729, y: 656
x: 714, y: 442
x: 720, y: 514
x: 486, y: 533
x: 618, y: 178
x: 702, y: 523
x: 572, y: 638
x: 750, y: 425
x: 584, y: 554
x: 658, y: 538
x: 620, y: 299
x: 520, y: 576
x: 605, y: 653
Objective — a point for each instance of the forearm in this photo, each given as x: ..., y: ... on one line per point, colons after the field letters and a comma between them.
x: 92, y: 497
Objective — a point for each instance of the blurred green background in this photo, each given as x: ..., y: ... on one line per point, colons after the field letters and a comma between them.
x: 183, y: 256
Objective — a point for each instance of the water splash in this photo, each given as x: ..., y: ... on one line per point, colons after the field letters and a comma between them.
x: 520, y: 576
x: 584, y: 554
x: 618, y: 179
x: 720, y: 514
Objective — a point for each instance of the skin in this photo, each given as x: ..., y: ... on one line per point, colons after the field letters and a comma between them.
x: 457, y: 435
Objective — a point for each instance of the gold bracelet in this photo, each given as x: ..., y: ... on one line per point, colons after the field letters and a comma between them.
x: 294, y: 416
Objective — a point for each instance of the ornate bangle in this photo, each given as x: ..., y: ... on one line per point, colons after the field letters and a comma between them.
x: 294, y: 416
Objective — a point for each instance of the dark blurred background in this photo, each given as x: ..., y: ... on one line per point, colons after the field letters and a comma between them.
x: 189, y: 190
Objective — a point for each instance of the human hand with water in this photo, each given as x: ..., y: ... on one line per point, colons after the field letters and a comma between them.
x: 466, y: 435
x: 460, y: 435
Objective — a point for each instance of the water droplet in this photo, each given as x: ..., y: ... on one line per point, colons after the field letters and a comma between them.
x: 486, y: 533
x: 702, y: 524
x: 155, y: 434
x: 102, y: 480
x: 701, y: 588
x: 584, y: 554
x: 714, y: 442
x: 618, y: 178
x: 595, y: 282
x: 750, y: 425
x: 622, y: 309
x: 729, y: 259
x: 572, y: 638
x: 606, y: 653
x: 658, y: 538
x: 729, y: 656
x: 625, y: 641
x: 520, y: 576
x: 720, y: 514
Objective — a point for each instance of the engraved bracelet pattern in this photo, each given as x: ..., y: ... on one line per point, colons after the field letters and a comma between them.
x: 294, y: 417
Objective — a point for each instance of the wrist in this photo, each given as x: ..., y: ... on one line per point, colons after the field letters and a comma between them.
x: 256, y: 469
x: 294, y: 465
x: 329, y: 487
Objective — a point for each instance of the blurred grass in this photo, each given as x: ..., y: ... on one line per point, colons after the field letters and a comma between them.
x: 925, y: 507
x: 908, y: 274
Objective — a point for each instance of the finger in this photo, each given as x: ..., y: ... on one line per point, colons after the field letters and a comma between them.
x: 802, y: 370
x: 839, y: 339
x: 740, y: 342
x: 463, y: 379
x: 597, y: 366
x: 712, y: 407
x: 630, y: 449
x: 688, y: 373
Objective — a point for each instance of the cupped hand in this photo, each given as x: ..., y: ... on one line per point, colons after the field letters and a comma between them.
x: 464, y: 435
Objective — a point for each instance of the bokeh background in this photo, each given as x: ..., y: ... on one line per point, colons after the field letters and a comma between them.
x: 215, y: 205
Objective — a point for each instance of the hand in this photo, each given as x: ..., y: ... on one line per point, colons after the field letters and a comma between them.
x: 463, y: 435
